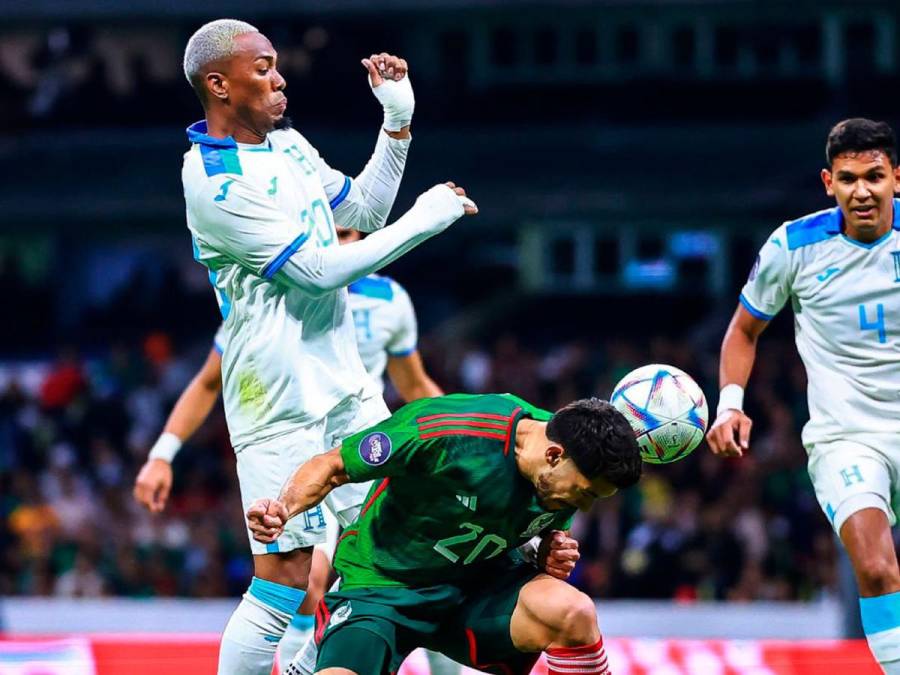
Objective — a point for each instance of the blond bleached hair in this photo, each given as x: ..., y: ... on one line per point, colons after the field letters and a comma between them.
x: 211, y: 42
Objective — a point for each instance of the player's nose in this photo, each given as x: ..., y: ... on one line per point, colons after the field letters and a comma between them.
x: 278, y: 82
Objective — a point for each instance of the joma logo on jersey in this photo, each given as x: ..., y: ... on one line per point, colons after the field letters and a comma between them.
x: 896, y: 255
x: 375, y: 448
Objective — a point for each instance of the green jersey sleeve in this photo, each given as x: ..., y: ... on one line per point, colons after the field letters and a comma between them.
x: 390, y: 448
x: 531, y: 410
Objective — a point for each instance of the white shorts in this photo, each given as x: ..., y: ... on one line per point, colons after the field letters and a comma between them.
x: 852, y: 475
x: 264, y: 467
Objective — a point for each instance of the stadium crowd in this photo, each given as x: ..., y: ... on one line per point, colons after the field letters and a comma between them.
x: 75, y: 429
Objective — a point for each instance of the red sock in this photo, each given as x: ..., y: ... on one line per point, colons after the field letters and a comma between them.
x: 586, y: 660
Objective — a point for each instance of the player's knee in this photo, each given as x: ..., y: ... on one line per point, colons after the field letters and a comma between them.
x: 877, y: 574
x: 578, y: 624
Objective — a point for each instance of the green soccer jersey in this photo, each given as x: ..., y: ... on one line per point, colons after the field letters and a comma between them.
x: 450, y: 496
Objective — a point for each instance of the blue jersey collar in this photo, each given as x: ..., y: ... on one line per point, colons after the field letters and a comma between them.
x: 197, y: 133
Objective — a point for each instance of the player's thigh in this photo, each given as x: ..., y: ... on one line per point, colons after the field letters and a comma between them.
x: 478, y: 634
x: 262, y: 470
x: 551, y: 612
x: 849, y: 476
x: 867, y: 536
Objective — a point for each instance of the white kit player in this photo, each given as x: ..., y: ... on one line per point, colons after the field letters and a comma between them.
x: 840, y: 271
x: 261, y: 205
x: 387, y: 332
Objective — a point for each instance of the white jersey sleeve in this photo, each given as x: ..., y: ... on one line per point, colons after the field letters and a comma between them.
x: 242, y: 223
x: 768, y: 285
x: 365, y: 202
x: 239, y: 221
x: 405, y: 335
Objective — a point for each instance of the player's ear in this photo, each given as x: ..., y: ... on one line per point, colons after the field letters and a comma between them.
x: 826, y: 181
x: 897, y: 180
x: 554, y: 455
x: 217, y: 85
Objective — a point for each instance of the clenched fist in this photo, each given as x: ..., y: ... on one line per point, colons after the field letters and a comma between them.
x: 266, y: 519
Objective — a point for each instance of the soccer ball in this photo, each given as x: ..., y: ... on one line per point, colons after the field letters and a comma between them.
x: 666, y: 409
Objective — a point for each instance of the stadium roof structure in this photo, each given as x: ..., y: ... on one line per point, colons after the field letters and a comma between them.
x: 87, y: 9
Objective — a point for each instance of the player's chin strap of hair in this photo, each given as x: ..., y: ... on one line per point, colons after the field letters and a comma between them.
x: 731, y: 398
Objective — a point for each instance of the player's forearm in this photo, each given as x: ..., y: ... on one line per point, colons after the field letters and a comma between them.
x: 312, y: 482
x: 191, y: 409
x: 738, y: 355
x: 320, y: 270
x: 375, y: 188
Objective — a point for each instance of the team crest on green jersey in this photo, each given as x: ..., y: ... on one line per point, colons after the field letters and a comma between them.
x: 375, y: 448
x: 538, y: 524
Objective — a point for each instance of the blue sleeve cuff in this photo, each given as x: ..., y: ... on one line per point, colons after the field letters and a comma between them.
x: 755, y: 312
x: 219, y: 348
x: 405, y: 352
x: 269, y: 270
x: 342, y: 195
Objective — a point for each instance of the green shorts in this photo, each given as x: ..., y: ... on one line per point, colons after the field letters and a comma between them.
x: 371, y: 630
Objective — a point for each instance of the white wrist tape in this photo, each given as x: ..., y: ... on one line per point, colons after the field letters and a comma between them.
x: 731, y: 398
x: 397, y: 100
x: 529, y: 550
x: 439, y: 207
x: 166, y: 447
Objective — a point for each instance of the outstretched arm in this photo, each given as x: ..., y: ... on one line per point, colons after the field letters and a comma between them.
x: 154, y: 481
x: 239, y: 221
x: 306, y: 488
x: 729, y: 435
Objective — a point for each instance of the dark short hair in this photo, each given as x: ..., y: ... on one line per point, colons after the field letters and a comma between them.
x: 858, y: 135
x: 599, y: 440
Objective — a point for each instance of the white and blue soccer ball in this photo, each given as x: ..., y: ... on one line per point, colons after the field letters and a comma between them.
x: 666, y: 408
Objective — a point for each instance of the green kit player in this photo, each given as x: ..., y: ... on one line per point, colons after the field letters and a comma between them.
x: 461, y: 482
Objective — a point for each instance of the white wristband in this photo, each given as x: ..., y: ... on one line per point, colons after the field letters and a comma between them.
x: 397, y: 100
x: 166, y: 447
x: 731, y: 398
x: 529, y: 550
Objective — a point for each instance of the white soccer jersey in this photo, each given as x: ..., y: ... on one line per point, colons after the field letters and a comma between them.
x: 846, y: 301
x: 385, y: 322
x: 290, y: 357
